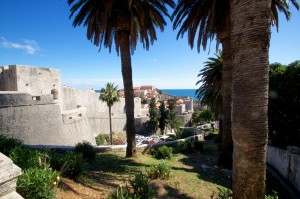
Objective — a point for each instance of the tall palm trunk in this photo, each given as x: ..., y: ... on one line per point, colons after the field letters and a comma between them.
x: 110, y: 128
x: 250, y: 42
x: 225, y: 158
x: 128, y: 89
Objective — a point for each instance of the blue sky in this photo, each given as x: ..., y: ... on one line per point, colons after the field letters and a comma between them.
x: 39, y: 33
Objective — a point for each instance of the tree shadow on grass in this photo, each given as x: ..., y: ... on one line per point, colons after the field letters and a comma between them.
x: 112, y: 163
x: 204, y: 164
x: 162, y: 190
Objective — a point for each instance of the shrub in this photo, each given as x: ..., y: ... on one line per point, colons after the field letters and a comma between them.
x: 224, y: 193
x: 8, y: 143
x: 118, y: 141
x: 161, y: 171
x: 26, y: 158
x: 102, y: 139
x: 137, y: 187
x: 141, y: 186
x: 190, y: 146
x: 73, y: 165
x: 184, y: 133
x: 163, y: 152
x: 55, y: 158
x: 87, y: 150
x: 37, y: 183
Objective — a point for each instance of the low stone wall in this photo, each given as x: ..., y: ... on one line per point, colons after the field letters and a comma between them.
x: 287, y: 163
x: 8, y: 178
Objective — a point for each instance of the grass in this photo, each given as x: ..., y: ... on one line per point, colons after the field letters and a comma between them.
x: 193, y: 176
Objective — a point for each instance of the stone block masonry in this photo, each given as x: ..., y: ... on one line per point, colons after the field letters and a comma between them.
x: 9, y: 174
x: 35, y: 108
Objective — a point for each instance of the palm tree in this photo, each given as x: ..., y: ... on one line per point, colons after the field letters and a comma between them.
x: 110, y: 95
x: 207, y: 19
x: 209, y: 91
x: 250, y: 43
x: 124, y: 22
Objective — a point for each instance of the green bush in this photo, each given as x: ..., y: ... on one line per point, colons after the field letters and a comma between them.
x: 87, y: 150
x: 190, y: 146
x: 161, y: 171
x: 141, y: 186
x: 8, y: 143
x: 26, y: 158
x: 184, y: 133
x: 163, y: 152
x: 137, y: 187
x: 73, y: 165
x: 37, y: 183
x: 102, y: 139
x: 55, y: 158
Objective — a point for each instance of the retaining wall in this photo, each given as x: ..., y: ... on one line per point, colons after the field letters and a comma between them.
x: 287, y: 163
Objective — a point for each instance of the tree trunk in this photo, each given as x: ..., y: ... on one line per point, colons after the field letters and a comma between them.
x: 110, y: 128
x: 128, y: 89
x: 225, y: 158
x: 250, y: 41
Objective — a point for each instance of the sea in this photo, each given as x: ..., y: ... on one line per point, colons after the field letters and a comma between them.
x: 178, y: 92
x: 181, y: 92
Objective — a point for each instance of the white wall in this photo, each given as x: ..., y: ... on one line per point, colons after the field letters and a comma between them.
x: 286, y: 162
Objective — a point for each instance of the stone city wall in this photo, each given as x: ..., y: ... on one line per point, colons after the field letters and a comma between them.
x: 38, y: 121
x: 30, y: 111
x: 287, y: 163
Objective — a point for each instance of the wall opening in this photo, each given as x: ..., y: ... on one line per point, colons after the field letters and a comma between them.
x: 36, y: 98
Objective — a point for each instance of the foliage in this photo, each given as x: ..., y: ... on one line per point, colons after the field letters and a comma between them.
x: 87, y: 150
x: 184, y: 133
x: 122, y: 23
x: 38, y: 183
x: 140, y: 185
x: 153, y: 115
x: 284, y: 104
x: 172, y: 121
x: 163, y: 152
x: 110, y: 95
x: 136, y: 187
x: 144, y: 101
x: 73, y: 165
x: 56, y: 158
x: 223, y: 193
x: 163, y: 116
x: 102, y: 139
x: 8, y: 143
x: 190, y: 146
x: 26, y: 158
x: 118, y: 140
x: 206, y: 116
x: 161, y: 171
x: 210, y: 83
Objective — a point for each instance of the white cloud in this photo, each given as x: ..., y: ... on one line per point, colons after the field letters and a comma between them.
x: 29, y: 46
x: 155, y: 60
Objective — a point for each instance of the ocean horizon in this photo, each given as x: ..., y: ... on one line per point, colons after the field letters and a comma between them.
x: 181, y: 92
x: 178, y: 92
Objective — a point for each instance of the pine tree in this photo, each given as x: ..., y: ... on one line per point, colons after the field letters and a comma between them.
x: 163, y: 116
x: 153, y: 114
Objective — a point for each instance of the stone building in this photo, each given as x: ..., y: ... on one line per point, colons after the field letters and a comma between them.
x: 37, y: 109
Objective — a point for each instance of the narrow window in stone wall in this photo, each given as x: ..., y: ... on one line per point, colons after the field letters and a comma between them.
x: 36, y: 98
